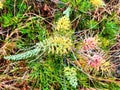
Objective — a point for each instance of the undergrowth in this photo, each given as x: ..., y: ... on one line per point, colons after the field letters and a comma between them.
x: 59, y: 44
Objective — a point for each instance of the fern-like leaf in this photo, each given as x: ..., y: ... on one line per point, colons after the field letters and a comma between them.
x: 38, y: 47
x: 24, y: 55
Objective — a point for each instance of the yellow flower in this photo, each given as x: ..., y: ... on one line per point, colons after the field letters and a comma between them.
x: 63, y: 24
x: 58, y: 45
x: 1, y: 5
x: 97, y: 3
x: 105, y: 42
x: 106, y: 67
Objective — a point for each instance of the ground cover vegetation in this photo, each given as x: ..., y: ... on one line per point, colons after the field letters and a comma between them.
x: 59, y: 45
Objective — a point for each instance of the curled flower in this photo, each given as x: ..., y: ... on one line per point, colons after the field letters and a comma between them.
x: 89, y: 43
x: 95, y: 60
x: 97, y: 3
x: 58, y: 45
x: 63, y: 24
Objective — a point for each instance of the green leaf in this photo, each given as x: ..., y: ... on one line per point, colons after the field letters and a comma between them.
x: 67, y: 12
x: 110, y: 30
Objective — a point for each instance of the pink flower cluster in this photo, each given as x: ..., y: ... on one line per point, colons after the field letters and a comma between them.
x: 89, y: 43
x: 95, y: 61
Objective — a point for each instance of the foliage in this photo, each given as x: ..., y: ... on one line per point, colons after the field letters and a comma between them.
x: 110, y: 30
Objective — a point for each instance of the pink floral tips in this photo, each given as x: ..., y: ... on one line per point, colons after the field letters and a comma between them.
x: 95, y: 61
x: 89, y: 43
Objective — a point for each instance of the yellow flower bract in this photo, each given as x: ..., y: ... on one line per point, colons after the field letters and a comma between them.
x: 1, y: 5
x: 97, y: 3
x: 105, y: 42
x: 58, y: 45
x: 63, y: 24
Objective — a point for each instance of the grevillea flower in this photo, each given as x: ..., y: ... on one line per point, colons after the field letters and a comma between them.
x: 89, y: 43
x: 95, y: 60
x: 63, y: 24
x: 58, y: 45
x: 97, y: 3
